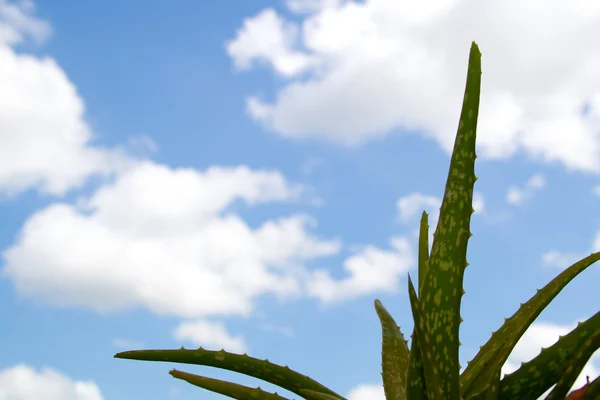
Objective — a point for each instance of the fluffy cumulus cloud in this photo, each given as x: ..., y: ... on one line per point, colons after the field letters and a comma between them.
x: 22, y: 382
x: 358, y: 70
x: 210, y: 335
x: 370, y: 270
x: 45, y: 142
x: 539, y: 334
x: 163, y: 239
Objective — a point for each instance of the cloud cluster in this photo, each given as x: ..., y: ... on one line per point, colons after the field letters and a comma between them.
x: 357, y: 71
x: 46, y: 142
x: 161, y: 238
x: 24, y: 382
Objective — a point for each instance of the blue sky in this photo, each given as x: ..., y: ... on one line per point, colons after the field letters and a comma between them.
x: 250, y: 176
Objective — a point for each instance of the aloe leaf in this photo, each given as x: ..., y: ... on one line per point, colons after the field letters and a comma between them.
x: 433, y: 381
x: 423, y: 249
x: 592, y: 390
x: 312, y: 395
x: 394, y: 355
x: 228, y: 389
x: 243, y: 364
x: 547, y: 366
x: 415, y: 388
x: 574, y: 366
x: 443, y: 286
x: 493, y: 389
x: 496, y: 351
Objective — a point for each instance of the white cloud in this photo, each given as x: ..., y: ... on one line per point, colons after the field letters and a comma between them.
x: 478, y: 203
x: 415, y: 203
x: 518, y: 196
x: 22, y: 382
x: 161, y: 238
x: 412, y: 205
x: 374, y: 66
x: 560, y: 259
x: 45, y: 142
x: 268, y: 37
x: 597, y: 190
x: 308, y: 6
x: 370, y: 270
x: 367, y: 392
x: 210, y: 335
x: 17, y: 23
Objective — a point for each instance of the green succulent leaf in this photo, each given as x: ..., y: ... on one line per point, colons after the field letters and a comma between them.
x: 574, y: 366
x: 423, y: 249
x: 496, y: 351
x: 415, y: 389
x: 394, y: 355
x: 228, y: 389
x: 546, y: 369
x: 443, y: 287
x: 593, y: 390
x: 312, y: 395
x: 243, y: 364
x: 433, y: 381
x: 493, y: 388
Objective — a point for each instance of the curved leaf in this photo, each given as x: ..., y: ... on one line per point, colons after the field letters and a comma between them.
x: 394, y: 355
x: 545, y: 370
x: 228, y: 389
x: 244, y: 364
x: 574, y: 367
x: 415, y: 388
x: 496, y: 351
x: 312, y: 395
x: 433, y: 381
x: 443, y: 288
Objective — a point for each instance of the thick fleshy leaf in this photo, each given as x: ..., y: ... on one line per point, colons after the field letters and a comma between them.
x: 493, y: 389
x: 496, y: 351
x: 243, y: 364
x: 433, y: 381
x: 443, y: 287
x: 394, y: 355
x: 228, y: 389
x: 423, y: 249
x: 546, y: 369
x: 312, y: 395
x: 415, y: 389
x: 573, y: 368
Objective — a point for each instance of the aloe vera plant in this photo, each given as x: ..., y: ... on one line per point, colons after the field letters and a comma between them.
x: 430, y: 369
